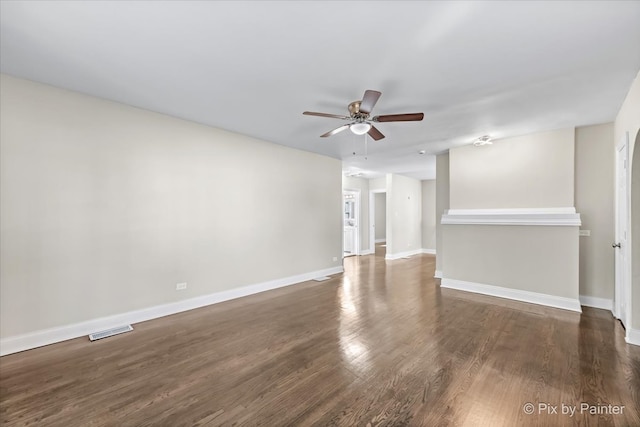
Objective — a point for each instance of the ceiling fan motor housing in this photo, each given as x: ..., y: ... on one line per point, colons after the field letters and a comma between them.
x: 354, y: 110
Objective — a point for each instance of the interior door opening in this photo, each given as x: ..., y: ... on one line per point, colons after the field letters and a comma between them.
x: 378, y: 222
x: 351, y: 216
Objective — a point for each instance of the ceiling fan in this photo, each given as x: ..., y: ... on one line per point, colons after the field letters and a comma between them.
x: 360, y: 120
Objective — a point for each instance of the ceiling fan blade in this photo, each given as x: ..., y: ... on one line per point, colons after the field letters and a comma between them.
x: 375, y: 133
x: 332, y: 116
x: 369, y: 100
x: 336, y: 130
x: 410, y: 117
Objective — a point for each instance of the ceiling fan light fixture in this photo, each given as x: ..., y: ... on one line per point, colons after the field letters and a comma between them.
x: 360, y: 128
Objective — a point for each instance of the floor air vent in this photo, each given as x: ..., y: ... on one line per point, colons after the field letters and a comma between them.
x: 321, y: 279
x: 110, y: 332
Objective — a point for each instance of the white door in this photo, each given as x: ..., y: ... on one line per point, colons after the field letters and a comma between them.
x: 620, y: 246
x: 351, y: 212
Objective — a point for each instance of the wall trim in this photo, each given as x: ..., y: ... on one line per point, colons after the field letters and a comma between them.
x: 428, y: 251
x: 381, y: 240
x: 367, y: 252
x: 391, y: 257
x: 438, y: 274
x: 513, y: 294
x: 514, y: 211
x: 633, y: 336
x: 44, y: 337
x: 595, y: 302
x: 534, y: 216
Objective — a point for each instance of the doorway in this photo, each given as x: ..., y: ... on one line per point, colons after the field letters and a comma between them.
x: 622, y: 294
x: 351, y: 216
x: 378, y: 221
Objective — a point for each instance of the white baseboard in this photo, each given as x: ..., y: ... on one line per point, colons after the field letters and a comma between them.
x: 399, y: 255
x: 428, y: 251
x: 438, y: 274
x: 381, y: 240
x: 514, y: 294
x: 595, y: 302
x: 633, y: 336
x: 43, y: 337
x: 368, y: 252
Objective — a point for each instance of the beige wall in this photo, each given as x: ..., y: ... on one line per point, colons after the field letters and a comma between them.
x: 362, y: 184
x: 594, y: 198
x: 527, y: 258
x: 105, y: 207
x: 628, y: 120
x: 442, y: 203
x: 531, y: 171
x: 404, y: 214
x: 380, y: 215
x: 429, y: 214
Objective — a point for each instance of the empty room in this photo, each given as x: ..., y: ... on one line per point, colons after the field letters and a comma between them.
x: 345, y: 213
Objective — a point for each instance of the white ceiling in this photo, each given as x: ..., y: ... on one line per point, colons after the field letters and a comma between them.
x: 474, y: 68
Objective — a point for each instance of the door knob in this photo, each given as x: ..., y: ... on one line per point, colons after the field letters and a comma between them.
x: 615, y: 245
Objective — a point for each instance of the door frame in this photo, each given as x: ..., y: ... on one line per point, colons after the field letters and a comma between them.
x: 622, y: 272
x: 356, y: 192
x: 372, y: 218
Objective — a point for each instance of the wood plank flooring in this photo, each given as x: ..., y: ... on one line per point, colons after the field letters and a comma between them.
x: 381, y: 345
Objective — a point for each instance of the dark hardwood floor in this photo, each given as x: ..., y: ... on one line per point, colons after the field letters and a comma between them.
x: 381, y: 345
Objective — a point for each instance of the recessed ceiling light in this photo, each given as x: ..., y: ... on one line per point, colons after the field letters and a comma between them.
x: 483, y: 140
x: 421, y: 152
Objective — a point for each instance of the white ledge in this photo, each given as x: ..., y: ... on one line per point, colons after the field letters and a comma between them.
x: 536, y: 216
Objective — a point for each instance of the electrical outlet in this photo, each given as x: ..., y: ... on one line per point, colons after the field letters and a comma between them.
x: 181, y: 286
x: 335, y: 259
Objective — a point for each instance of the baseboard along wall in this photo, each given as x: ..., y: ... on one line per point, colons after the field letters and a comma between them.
x: 398, y: 255
x: 513, y: 294
x: 595, y: 302
x: 44, y: 337
x: 633, y: 336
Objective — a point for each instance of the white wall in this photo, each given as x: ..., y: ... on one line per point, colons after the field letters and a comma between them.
x: 635, y: 233
x: 594, y: 196
x: 362, y: 184
x: 442, y: 205
x: 530, y: 171
x: 404, y: 215
x: 105, y: 207
x: 378, y: 184
x: 380, y: 215
x: 628, y: 120
x: 429, y: 214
